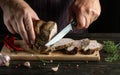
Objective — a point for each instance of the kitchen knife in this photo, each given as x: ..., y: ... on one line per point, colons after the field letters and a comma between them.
x: 62, y: 33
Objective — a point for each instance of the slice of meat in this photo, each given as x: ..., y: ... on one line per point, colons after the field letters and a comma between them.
x: 91, y: 47
x: 72, y: 50
x: 44, y: 32
x: 81, y: 43
x: 88, y: 52
x: 71, y: 47
x: 62, y: 44
x: 87, y: 46
x: 58, y: 46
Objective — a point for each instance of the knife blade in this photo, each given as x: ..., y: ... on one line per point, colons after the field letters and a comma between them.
x: 61, y: 34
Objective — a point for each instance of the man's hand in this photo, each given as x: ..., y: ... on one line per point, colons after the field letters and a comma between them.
x: 85, y: 12
x: 18, y: 18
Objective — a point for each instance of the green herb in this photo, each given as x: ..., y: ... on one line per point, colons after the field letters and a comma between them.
x: 109, y: 46
x: 113, y: 50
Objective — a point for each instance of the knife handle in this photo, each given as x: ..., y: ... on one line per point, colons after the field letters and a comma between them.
x: 74, y: 23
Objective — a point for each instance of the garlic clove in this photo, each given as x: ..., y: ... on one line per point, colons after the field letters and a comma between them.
x: 55, y: 68
x: 27, y: 64
x: 4, y: 60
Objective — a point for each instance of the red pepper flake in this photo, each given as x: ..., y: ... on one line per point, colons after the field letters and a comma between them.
x: 17, y: 66
x: 9, y: 43
x: 65, y: 67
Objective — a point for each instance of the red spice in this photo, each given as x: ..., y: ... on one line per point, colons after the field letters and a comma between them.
x: 18, y: 65
x: 65, y: 67
x: 9, y: 43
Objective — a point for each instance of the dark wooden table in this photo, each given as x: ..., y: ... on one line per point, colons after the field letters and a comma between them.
x: 69, y: 67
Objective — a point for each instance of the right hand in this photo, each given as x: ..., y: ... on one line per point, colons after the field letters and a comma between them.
x: 85, y: 12
x: 18, y: 18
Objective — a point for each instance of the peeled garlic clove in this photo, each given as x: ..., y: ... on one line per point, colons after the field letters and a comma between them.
x: 4, y: 60
x: 7, y: 58
x: 27, y: 64
x: 55, y: 68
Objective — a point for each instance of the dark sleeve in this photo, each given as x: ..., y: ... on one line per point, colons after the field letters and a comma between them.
x: 109, y: 20
x: 55, y: 10
x: 3, y: 28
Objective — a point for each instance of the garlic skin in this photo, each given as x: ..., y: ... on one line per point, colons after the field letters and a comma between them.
x: 4, y: 60
x: 7, y: 58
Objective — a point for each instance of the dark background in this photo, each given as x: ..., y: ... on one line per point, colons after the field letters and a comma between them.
x: 109, y: 20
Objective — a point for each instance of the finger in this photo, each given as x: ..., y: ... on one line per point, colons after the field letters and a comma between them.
x: 14, y: 24
x: 81, y: 21
x: 88, y: 21
x: 35, y: 17
x: 9, y: 27
x: 21, y: 30
x: 93, y: 16
x: 90, y: 17
x: 29, y: 28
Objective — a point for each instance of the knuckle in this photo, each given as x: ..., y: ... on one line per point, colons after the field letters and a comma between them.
x: 28, y: 28
x: 12, y: 17
x: 32, y: 38
x: 96, y: 12
x: 81, y: 8
x: 89, y: 11
x: 28, y: 25
x: 7, y: 22
x: 22, y: 32
x: 80, y: 26
x: 24, y: 11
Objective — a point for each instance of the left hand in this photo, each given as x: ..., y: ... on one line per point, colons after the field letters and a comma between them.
x: 85, y: 12
x: 18, y: 18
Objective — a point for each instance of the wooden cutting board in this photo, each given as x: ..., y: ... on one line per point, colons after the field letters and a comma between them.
x: 29, y: 54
